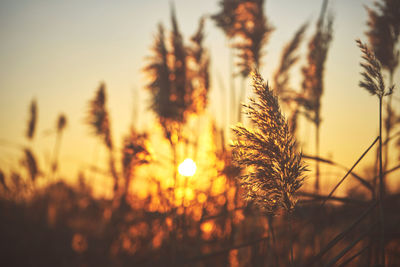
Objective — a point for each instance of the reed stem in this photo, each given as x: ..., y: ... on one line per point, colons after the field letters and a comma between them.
x: 381, y: 192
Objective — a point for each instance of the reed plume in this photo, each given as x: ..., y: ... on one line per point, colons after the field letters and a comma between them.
x: 253, y: 27
x: 17, y: 181
x: 179, y: 81
x: 136, y: 152
x: 313, y: 82
x: 384, y: 31
x: 282, y: 76
x: 373, y: 82
x: 98, y: 120
x: 372, y: 75
x: 61, y: 123
x: 383, y: 35
x: 245, y: 19
x: 178, y: 68
x: 275, y: 169
x: 31, y: 164
x: 60, y: 126
x: 244, y: 22
x: 160, y: 86
x: 33, y: 110
x: 3, y: 181
x: 288, y: 59
x: 199, y: 73
x: 179, y: 77
x: 226, y: 18
x: 98, y: 117
x: 313, y: 73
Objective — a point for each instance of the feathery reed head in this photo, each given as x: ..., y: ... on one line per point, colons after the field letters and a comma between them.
x: 313, y: 73
x: 61, y: 122
x: 160, y: 73
x: 373, y: 80
x: 275, y: 169
x: 32, y: 120
x: 198, y: 38
x: 3, y: 181
x: 282, y: 76
x: 288, y: 59
x: 179, y: 77
x: 198, y: 74
x: 135, y: 152
x: 252, y: 25
x: 17, y: 181
x: 30, y: 163
x: 226, y: 18
x: 178, y: 68
x: 245, y: 19
x: 97, y: 116
x: 384, y: 31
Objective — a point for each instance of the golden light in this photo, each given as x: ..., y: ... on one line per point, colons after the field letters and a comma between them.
x: 187, y: 167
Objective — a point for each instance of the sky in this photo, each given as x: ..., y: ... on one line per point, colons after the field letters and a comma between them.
x: 58, y: 52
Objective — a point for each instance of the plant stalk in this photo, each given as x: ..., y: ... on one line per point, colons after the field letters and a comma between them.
x: 388, y: 128
x: 317, y: 170
x: 291, y: 238
x: 381, y: 191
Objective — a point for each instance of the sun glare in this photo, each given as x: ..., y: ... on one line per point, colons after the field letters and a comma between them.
x: 187, y: 167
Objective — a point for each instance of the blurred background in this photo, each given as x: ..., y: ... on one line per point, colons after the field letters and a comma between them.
x: 90, y: 157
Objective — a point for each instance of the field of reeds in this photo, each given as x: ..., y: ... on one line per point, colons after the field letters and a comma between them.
x: 229, y: 187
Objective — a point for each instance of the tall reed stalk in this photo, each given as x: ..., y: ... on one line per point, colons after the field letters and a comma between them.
x: 60, y: 126
x: 268, y: 152
x: 373, y: 82
x: 313, y: 83
x: 383, y: 35
x: 33, y: 114
x: 179, y: 82
x: 245, y: 22
x: 98, y: 119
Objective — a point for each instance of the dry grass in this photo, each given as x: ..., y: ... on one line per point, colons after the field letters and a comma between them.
x: 32, y: 120
x: 205, y: 220
x: 275, y: 168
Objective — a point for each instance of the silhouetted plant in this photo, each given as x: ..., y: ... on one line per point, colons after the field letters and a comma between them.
x: 288, y: 59
x: 384, y: 31
x: 255, y: 30
x: 244, y: 22
x: 98, y: 119
x: 60, y: 126
x: 282, y: 76
x: 383, y: 35
x: 198, y: 74
x: 179, y: 81
x: 275, y: 169
x: 313, y: 83
x: 61, y: 123
x: 3, y: 181
x: 33, y: 110
x: 135, y: 153
x: 373, y: 82
x: 31, y: 164
x: 245, y: 19
x: 178, y: 69
x: 226, y: 18
x: 372, y: 75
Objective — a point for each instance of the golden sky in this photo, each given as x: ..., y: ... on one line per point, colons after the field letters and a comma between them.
x: 59, y: 51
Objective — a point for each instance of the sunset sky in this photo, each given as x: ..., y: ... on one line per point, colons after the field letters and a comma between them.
x: 58, y: 52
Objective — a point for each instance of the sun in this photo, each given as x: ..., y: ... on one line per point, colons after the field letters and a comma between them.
x: 187, y: 167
